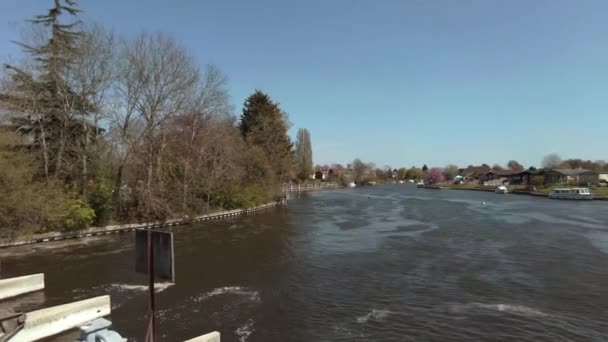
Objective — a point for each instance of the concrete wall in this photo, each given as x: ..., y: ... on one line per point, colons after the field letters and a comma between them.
x: 12, y: 287
x: 121, y: 228
x: 211, y: 337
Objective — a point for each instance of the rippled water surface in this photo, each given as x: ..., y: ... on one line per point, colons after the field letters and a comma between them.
x: 385, y: 263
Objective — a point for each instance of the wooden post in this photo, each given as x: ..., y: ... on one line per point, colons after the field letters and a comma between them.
x: 151, y: 333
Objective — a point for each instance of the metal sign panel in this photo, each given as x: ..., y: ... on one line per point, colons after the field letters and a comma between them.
x: 162, y: 249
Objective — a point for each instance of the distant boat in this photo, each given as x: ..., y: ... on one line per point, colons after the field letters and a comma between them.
x: 420, y: 185
x: 571, y: 194
x: 400, y: 182
x: 352, y: 184
x: 410, y: 181
x: 501, y: 190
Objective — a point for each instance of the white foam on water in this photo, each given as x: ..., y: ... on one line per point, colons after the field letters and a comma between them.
x: 252, y: 295
x: 599, y: 240
x: 508, y: 308
x: 375, y: 314
x: 245, y: 330
x: 158, y: 287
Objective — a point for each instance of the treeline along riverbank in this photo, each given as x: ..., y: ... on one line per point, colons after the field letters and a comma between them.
x: 99, y: 129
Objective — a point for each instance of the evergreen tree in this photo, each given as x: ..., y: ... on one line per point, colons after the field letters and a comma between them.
x: 303, y: 154
x: 265, y: 125
x: 43, y: 104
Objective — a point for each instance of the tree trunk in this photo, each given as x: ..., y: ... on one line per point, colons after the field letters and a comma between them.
x: 185, y: 190
x: 58, y: 162
x: 117, y: 186
x: 45, y: 152
x: 83, y: 190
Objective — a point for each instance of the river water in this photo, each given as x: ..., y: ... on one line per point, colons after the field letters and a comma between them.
x: 384, y: 263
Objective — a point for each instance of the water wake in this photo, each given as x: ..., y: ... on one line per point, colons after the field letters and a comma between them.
x: 245, y: 330
x: 375, y: 315
x: 252, y: 295
x: 508, y: 308
x: 158, y: 287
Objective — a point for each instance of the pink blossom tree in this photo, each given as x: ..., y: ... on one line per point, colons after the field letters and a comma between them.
x: 434, y: 175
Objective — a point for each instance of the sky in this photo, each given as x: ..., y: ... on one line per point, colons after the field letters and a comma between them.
x: 399, y: 83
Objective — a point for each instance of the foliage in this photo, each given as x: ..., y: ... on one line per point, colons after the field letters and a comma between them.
x: 401, y: 173
x: 303, y: 154
x: 265, y: 125
x: 537, y: 180
x: 170, y: 143
x: 425, y: 168
x: 414, y: 173
x: 450, y: 171
x: 28, y: 206
x: 99, y: 198
x: 551, y: 161
x: 513, y: 165
x: 497, y: 167
x: 433, y: 176
x: 76, y: 214
x: 362, y: 172
x: 43, y: 102
x: 242, y: 197
x: 577, y: 163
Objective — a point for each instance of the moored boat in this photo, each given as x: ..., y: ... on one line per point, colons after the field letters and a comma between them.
x: 420, y: 185
x: 571, y: 194
x: 501, y: 190
x: 351, y: 185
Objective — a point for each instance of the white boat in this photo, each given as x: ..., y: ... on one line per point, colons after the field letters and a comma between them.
x: 400, y: 182
x: 501, y: 190
x: 571, y: 194
x: 420, y: 185
x: 352, y: 184
x: 411, y: 181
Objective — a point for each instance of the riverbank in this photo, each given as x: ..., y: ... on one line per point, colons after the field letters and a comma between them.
x: 122, y: 228
x: 542, y: 193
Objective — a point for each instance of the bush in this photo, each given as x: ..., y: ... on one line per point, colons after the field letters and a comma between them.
x: 99, y: 198
x: 78, y: 215
x: 28, y: 206
x: 245, y: 197
x: 537, y: 180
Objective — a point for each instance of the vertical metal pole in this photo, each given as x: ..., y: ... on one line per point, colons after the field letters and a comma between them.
x: 151, y: 305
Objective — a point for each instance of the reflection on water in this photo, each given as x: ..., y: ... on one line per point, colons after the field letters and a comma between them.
x: 385, y: 263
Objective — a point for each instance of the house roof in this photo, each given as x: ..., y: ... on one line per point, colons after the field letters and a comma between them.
x: 573, y: 172
x: 504, y: 173
x: 532, y: 172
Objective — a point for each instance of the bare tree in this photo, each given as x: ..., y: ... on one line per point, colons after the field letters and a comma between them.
x: 551, y: 160
x: 91, y: 76
x: 165, y: 78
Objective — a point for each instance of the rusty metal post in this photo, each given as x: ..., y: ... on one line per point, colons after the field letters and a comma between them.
x: 151, y: 333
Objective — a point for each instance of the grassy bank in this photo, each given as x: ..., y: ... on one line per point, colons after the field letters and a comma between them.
x: 467, y: 186
x: 597, y: 191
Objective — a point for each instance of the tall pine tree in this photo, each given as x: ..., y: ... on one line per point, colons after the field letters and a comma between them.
x: 43, y: 104
x: 265, y: 125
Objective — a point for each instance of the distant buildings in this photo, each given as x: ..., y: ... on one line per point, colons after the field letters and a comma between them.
x: 549, y: 176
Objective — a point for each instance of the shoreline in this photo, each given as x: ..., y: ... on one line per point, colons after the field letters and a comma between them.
x: 123, y: 228
x: 533, y: 194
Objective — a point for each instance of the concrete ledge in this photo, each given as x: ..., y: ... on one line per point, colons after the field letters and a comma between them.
x: 210, y: 337
x: 97, y: 231
x: 51, y: 321
x: 12, y: 287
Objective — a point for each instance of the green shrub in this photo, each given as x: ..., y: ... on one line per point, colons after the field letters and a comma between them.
x: 78, y: 215
x: 537, y: 180
x: 99, y: 198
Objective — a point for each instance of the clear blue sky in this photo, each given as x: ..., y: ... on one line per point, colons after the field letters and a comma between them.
x: 398, y: 82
